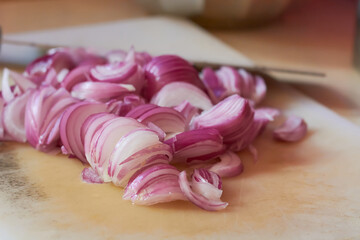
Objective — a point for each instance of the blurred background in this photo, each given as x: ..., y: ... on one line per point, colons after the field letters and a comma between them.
x: 315, y: 35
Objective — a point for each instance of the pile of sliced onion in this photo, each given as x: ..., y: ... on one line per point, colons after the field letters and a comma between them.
x: 132, y: 118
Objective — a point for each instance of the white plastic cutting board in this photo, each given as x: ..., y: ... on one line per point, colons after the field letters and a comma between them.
x: 306, y: 190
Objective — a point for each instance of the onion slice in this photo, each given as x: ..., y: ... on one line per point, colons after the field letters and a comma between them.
x: 198, y: 198
x: 13, y: 117
x: 230, y: 165
x: 42, y: 116
x: 100, y: 91
x: 154, y: 184
x: 232, y: 117
x: 128, y: 157
x: 173, y: 94
x: 294, y: 129
x: 165, y: 69
x: 196, y: 145
x: 88, y: 175
x: 70, y: 126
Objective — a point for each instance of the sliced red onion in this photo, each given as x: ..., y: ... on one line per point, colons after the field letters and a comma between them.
x: 128, y: 157
x: 50, y: 78
x: 2, y: 105
x: 90, y: 127
x: 228, y: 81
x: 188, y: 111
x: 38, y: 69
x: 21, y: 81
x: 100, y: 91
x: 70, y: 126
x: 154, y: 184
x: 7, y: 92
x: 197, y: 197
x: 206, y: 183
x: 13, y: 117
x: 89, y: 175
x: 232, y: 117
x: 75, y: 76
x: 230, y: 165
x: 124, y: 105
x: 165, y: 69
x: 82, y: 56
x: 196, y: 145
x: 42, y: 116
x: 213, y: 85
x: 294, y: 129
x: 141, y: 58
x: 175, y: 93
x: 168, y: 119
x: 104, y: 140
x: 122, y: 72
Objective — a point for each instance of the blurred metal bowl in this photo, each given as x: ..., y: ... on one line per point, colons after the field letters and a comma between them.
x: 220, y: 14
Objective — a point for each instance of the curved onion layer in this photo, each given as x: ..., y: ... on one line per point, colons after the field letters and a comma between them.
x: 140, y: 58
x: 39, y: 68
x: 70, y: 126
x: 188, y: 111
x: 100, y: 91
x: 230, y: 165
x: 7, y: 92
x: 128, y: 157
x: 22, y: 82
x: 173, y: 94
x: 196, y: 145
x: 154, y: 184
x: 124, y: 105
x: 75, y: 76
x: 89, y: 175
x: 168, y: 119
x: 232, y: 117
x: 213, y: 85
x: 203, y: 191
x: 42, y: 116
x: 228, y: 81
x: 122, y: 72
x: 13, y: 117
x: 103, y: 142
x: 2, y: 105
x: 165, y: 69
x: 294, y: 129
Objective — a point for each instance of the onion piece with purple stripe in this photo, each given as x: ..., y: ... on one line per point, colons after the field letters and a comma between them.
x: 133, y: 151
x: 75, y: 76
x: 122, y: 72
x: 174, y: 93
x: 42, y: 116
x: 103, y: 142
x: 89, y: 175
x: 39, y: 68
x: 125, y: 104
x: 100, y: 91
x: 196, y: 146
x: 168, y: 119
x: 154, y: 184
x: 230, y: 165
x: 165, y: 69
x: 141, y: 58
x: 13, y: 117
x: 70, y: 126
x: 205, y: 190
x: 232, y: 117
x: 188, y: 111
x: 293, y: 129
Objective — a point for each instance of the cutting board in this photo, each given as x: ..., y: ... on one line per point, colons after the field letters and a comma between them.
x: 305, y: 190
